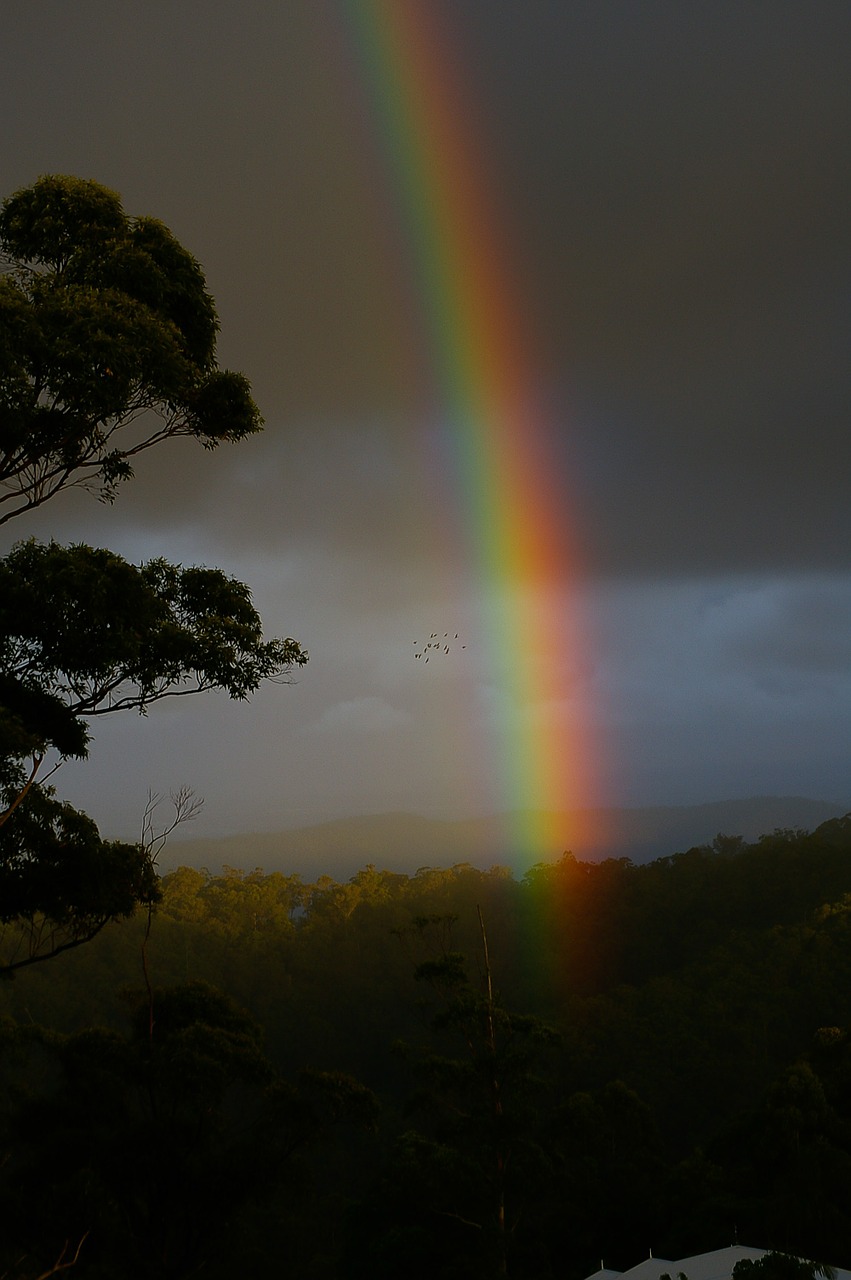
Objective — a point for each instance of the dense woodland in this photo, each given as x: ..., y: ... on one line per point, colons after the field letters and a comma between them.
x: 451, y: 1074
x: 454, y: 1073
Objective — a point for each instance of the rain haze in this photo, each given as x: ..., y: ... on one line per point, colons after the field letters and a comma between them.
x: 672, y: 184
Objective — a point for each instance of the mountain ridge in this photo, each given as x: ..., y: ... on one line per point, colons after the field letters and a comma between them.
x: 404, y: 842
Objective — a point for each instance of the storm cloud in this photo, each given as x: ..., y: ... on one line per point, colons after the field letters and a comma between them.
x: 672, y: 185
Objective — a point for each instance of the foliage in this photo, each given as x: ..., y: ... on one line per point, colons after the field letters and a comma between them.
x: 705, y: 1092
x: 167, y: 1133
x: 107, y: 348
x: 60, y: 882
x: 107, y: 345
x: 780, y: 1266
x: 466, y: 1176
x: 85, y: 633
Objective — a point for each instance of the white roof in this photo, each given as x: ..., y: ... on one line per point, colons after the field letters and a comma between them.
x: 717, y: 1265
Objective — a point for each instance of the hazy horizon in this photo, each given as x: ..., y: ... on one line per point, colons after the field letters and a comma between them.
x: 404, y: 843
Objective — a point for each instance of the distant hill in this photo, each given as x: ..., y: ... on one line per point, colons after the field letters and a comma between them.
x: 404, y: 842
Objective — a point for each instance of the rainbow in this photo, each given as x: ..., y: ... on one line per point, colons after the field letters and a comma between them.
x: 495, y: 434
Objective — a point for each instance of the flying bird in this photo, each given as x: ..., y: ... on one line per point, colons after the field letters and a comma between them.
x: 435, y: 644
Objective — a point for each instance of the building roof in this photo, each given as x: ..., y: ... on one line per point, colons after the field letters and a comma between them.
x: 717, y: 1265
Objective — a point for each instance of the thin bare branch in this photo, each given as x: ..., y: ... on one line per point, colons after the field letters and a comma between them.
x: 186, y: 806
x: 63, y: 1263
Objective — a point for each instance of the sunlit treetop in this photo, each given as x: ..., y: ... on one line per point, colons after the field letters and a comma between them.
x: 107, y: 345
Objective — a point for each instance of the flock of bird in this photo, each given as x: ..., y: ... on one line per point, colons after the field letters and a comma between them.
x: 435, y: 644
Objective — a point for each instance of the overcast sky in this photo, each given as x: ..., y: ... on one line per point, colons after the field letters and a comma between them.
x: 674, y: 182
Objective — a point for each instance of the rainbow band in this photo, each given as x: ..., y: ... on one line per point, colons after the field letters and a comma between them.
x: 495, y: 436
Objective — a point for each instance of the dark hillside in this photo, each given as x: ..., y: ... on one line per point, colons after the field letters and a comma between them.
x: 649, y: 1028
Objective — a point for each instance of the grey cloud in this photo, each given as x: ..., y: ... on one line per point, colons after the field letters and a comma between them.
x: 673, y: 187
x: 798, y: 631
x: 673, y: 181
x: 365, y: 715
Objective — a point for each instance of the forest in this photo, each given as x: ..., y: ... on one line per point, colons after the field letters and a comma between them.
x: 455, y: 1073
x: 445, y: 1074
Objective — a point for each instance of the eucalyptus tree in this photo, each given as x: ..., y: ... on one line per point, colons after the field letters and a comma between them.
x: 107, y: 345
x: 107, y: 349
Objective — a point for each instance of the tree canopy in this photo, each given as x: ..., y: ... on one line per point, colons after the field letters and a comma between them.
x: 107, y: 345
x: 695, y: 1094
x: 95, y: 634
x: 107, y: 348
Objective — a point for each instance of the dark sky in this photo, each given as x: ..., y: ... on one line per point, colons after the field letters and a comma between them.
x: 673, y: 184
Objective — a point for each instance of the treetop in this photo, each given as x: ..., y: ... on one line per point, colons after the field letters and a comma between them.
x: 106, y: 324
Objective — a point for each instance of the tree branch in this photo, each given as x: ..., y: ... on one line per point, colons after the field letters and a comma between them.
x: 61, y: 1264
x: 7, y: 813
x: 7, y: 969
